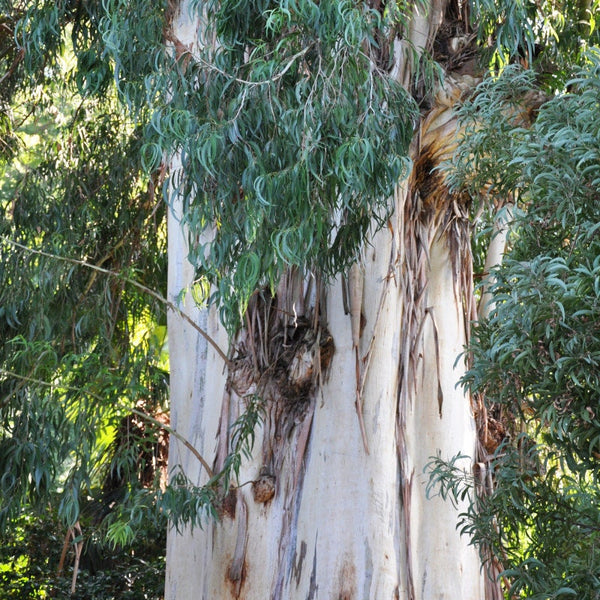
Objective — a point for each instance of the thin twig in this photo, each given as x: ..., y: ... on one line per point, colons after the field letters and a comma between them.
x: 18, y: 58
x: 78, y: 546
x: 174, y: 433
x: 279, y: 75
x: 132, y: 282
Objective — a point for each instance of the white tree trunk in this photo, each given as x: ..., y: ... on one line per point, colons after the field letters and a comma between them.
x: 494, y: 257
x: 445, y: 566
x: 196, y: 380
x: 343, y: 523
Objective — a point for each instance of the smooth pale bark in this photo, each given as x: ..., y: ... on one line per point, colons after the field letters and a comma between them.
x: 343, y: 523
x: 193, y: 388
x: 437, y: 546
x: 494, y: 257
x: 347, y: 530
x: 194, y: 413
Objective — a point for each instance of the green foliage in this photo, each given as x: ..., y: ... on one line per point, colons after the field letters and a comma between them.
x: 188, y: 504
x: 550, y: 35
x: 494, y: 124
x: 30, y: 552
x: 132, y: 35
x: 535, y: 359
x: 291, y: 138
x: 71, y: 352
x: 541, y: 523
x: 80, y: 347
x: 541, y: 341
x: 509, y: 24
x: 291, y: 143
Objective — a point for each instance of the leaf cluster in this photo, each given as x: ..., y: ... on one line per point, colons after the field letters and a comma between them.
x: 540, y: 524
x: 31, y: 551
x: 541, y: 344
x: 291, y: 141
x: 550, y: 36
x: 78, y: 347
x: 191, y: 505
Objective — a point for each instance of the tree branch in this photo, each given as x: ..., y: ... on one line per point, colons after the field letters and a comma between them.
x: 130, y: 281
x: 182, y: 439
x: 140, y: 413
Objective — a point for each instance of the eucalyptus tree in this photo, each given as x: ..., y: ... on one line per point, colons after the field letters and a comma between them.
x: 320, y: 278
x: 341, y: 265
x: 345, y: 289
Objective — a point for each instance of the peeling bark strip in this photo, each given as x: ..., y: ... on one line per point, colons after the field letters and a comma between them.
x: 355, y: 287
x: 297, y: 571
x: 436, y: 341
x: 431, y: 212
x: 292, y: 497
x: 406, y: 495
x: 236, y: 569
x: 313, y: 588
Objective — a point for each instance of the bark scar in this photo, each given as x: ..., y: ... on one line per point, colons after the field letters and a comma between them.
x: 313, y: 587
x: 436, y: 339
x: 300, y: 563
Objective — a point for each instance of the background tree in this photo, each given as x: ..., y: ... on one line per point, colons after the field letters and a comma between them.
x: 534, y: 356
x: 81, y: 346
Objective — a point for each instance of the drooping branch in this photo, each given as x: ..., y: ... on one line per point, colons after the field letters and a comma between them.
x: 25, y: 379
x: 153, y: 293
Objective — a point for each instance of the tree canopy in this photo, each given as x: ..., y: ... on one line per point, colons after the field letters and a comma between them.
x: 83, y: 373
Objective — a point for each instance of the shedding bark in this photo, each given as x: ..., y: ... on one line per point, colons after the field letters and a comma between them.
x: 355, y: 287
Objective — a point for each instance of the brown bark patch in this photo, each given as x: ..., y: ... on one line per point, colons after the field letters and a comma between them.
x: 297, y: 568
x: 428, y: 180
x: 280, y: 363
x: 347, y: 581
x: 228, y: 505
x: 236, y: 582
x: 496, y: 433
x: 279, y: 360
x: 455, y: 44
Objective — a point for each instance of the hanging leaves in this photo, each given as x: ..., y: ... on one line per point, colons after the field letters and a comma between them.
x: 291, y: 140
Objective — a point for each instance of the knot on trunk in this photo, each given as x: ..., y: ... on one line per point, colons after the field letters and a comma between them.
x: 296, y: 360
x: 263, y: 489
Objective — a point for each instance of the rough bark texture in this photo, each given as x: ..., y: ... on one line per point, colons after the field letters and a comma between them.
x: 356, y: 400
